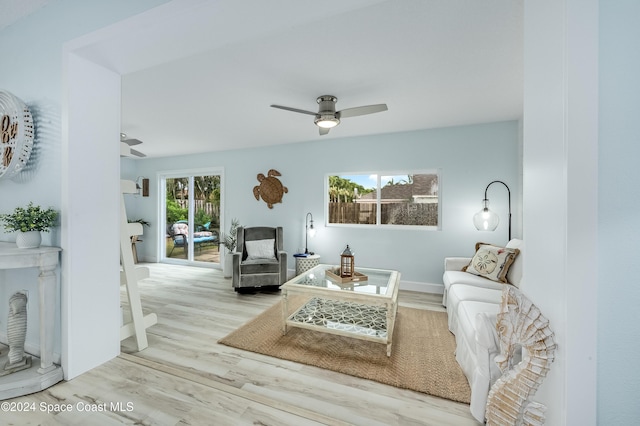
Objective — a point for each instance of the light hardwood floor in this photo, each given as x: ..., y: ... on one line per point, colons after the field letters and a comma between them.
x: 185, y: 378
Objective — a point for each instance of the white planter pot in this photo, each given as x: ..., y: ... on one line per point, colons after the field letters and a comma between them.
x: 227, y: 267
x: 29, y: 239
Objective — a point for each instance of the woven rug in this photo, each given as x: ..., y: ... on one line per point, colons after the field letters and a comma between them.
x: 422, y: 357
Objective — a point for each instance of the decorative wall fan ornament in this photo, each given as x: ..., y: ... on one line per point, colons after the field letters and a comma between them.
x: 16, y: 135
x: 270, y: 189
x: 327, y: 117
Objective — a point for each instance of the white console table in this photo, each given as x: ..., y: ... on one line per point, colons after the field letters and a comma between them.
x: 43, y: 372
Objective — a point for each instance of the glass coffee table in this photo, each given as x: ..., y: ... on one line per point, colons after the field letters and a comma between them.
x: 364, y: 309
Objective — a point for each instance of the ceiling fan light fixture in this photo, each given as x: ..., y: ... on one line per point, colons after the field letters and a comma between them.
x: 326, y: 121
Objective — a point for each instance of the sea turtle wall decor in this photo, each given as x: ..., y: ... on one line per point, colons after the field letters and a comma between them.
x: 270, y: 189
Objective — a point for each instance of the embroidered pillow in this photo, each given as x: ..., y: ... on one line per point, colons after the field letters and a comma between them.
x: 492, y: 262
x: 260, y: 249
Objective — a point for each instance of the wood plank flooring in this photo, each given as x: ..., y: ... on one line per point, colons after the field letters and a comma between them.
x: 185, y: 378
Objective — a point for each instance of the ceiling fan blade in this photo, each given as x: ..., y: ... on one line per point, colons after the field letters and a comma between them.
x: 301, y: 111
x: 125, y: 150
x: 362, y: 110
x: 323, y: 131
x: 132, y: 142
x: 137, y: 153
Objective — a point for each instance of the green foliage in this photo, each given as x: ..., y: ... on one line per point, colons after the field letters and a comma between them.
x: 140, y: 221
x: 407, y: 181
x: 175, y: 212
x: 341, y: 189
x: 31, y: 218
x: 205, y: 188
x: 201, y: 217
x: 229, y: 240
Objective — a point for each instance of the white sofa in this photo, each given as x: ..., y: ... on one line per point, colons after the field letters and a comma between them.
x: 473, y: 303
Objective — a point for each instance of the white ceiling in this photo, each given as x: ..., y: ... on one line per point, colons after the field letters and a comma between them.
x: 435, y: 63
x: 12, y: 10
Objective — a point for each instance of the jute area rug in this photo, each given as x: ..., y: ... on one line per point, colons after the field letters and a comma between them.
x: 422, y: 357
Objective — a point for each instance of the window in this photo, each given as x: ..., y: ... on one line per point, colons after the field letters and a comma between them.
x: 390, y: 199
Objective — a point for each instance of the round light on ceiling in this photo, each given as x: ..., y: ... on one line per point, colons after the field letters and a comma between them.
x: 326, y: 121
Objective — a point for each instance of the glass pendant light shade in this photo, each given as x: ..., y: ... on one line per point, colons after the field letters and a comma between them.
x: 312, y: 230
x: 485, y: 219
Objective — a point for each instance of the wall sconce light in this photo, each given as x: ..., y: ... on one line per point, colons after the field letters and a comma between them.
x: 309, y: 231
x: 143, y: 188
x: 485, y: 219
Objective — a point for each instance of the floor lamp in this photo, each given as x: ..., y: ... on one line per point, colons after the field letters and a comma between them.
x: 485, y: 219
x: 309, y: 231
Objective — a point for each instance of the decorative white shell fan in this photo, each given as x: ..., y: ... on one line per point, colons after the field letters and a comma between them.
x: 16, y: 135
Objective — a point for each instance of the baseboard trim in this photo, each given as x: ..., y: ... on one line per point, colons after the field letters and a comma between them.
x: 434, y: 288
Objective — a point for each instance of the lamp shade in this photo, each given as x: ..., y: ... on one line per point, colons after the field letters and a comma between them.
x: 485, y: 219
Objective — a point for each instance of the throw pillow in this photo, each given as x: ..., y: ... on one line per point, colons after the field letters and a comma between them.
x: 260, y: 249
x: 492, y: 262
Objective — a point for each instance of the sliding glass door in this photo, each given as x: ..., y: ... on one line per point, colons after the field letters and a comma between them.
x: 191, y: 211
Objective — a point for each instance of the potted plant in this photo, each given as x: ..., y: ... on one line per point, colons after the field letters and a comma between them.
x: 28, y: 222
x: 229, y: 241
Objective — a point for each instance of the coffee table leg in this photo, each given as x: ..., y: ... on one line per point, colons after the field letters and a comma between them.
x: 285, y: 311
x: 391, y: 317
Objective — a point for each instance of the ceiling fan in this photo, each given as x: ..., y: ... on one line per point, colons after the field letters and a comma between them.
x: 327, y: 116
x: 126, y: 144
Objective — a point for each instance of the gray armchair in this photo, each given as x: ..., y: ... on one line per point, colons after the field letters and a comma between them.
x: 259, y: 260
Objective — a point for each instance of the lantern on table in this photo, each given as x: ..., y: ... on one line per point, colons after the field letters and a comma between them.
x: 347, y: 265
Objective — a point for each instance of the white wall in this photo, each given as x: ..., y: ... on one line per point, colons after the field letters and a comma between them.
x: 469, y: 157
x: 33, y: 71
x: 618, y: 224
x: 560, y: 195
x: 90, y: 157
x: 36, y: 42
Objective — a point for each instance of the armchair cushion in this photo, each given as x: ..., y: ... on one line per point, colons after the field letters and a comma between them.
x: 180, y: 228
x: 260, y: 266
x: 260, y: 249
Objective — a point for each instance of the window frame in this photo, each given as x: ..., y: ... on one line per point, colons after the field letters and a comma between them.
x: 162, y: 176
x: 379, y: 174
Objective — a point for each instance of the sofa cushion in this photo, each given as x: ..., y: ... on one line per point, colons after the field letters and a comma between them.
x: 487, y: 371
x: 458, y: 277
x: 460, y: 293
x: 451, y: 278
x: 492, y: 262
x: 467, y: 312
